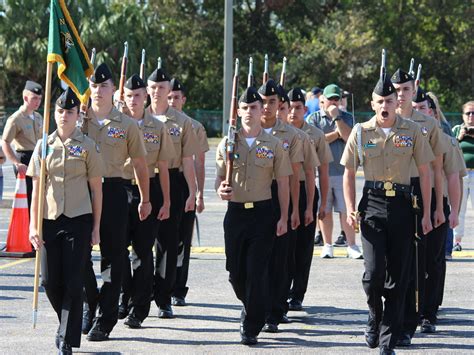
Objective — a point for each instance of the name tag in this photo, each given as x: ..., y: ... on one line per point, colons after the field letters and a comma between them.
x: 263, y: 152
x: 116, y: 132
x: 370, y: 145
x: 151, y: 138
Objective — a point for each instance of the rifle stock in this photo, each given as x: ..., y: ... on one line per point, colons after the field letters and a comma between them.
x: 230, y: 145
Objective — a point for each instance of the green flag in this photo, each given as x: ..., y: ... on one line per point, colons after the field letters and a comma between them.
x: 66, y: 49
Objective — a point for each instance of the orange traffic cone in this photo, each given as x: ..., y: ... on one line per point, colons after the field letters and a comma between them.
x: 18, y: 243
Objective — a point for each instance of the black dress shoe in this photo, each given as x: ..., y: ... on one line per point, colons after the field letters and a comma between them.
x: 427, y: 326
x: 97, y: 334
x: 65, y: 349
x: 165, y: 311
x: 248, y: 339
x: 385, y: 350
x: 284, y: 319
x: 133, y: 322
x: 270, y: 328
x: 123, y: 311
x: 87, y: 319
x: 372, y: 333
x: 295, y: 305
x: 404, y: 340
x: 178, y: 301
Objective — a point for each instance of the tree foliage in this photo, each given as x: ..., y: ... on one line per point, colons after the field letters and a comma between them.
x: 325, y: 41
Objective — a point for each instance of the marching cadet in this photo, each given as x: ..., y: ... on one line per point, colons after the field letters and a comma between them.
x: 180, y: 168
x: 249, y: 223
x: 279, y: 265
x: 24, y: 129
x: 71, y: 218
x: 385, y: 146
x: 305, y: 233
x: 143, y: 233
x: 118, y: 138
x: 430, y: 128
x: 177, y: 99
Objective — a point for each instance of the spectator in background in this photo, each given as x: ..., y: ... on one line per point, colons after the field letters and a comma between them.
x: 465, y: 135
x: 337, y: 126
x: 312, y: 102
x: 343, y: 103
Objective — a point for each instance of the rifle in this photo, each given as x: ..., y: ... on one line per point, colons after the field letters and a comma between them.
x: 123, y: 76
x: 83, y: 118
x: 283, y: 73
x: 418, y: 77
x: 231, y: 134
x: 158, y: 66
x: 383, y: 68
x: 265, y: 70
x: 411, y: 71
x: 250, y: 77
x: 142, y: 65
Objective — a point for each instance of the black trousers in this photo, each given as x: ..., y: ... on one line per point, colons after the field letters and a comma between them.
x: 302, y: 252
x: 411, y: 316
x: 249, y: 236
x: 281, y: 267
x: 112, y: 245
x: 167, y: 244
x: 65, y: 252
x: 435, y: 265
x: 25, y: 157
x: 142, y: 235
x: 387, y: 228
x: 186, y: 228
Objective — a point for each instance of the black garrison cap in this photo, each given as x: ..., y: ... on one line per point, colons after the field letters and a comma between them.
x: 296, y: 95
x: 135, y: 82
x: 158, y: 76
x: 282, y: 94
x: 250, y: 95
x: 34, y: 87
x: 420, y: 95
x: 176, y: 85
x: 384, y: 87
x: 269, y: 88
x: 401, y: 76
x: 101, y: 73
x: 431, y: 103
x: 68, y: 100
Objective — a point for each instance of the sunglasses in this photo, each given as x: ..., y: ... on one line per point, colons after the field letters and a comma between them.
x: 469, y: 113
x: 335, y: 98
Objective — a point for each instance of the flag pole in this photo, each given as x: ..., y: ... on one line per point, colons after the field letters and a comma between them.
x: 42, y: 178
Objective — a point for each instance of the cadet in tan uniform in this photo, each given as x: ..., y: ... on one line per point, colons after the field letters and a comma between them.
x: 118, y: 138
x: 249, y: 224
x: 71, y: 217
x: 280, y: 265
x: 431, y: 130
x: 24, y: 129
x: 142, y: 234
x: 306, y: 231
x: 181, y: 167
x: 177, y: 99
x: 385, y: 146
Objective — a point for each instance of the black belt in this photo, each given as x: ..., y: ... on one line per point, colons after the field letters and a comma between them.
x: 387, y: 188
x: 134, y: 182
x: 24, y: 151
x: 250, y: 205
x: 113, y: 180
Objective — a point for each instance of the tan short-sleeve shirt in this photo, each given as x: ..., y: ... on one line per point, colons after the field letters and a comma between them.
x: 453, y: 161
x: 118, y: 138
x: 387, y: 158
x: 158, y: 144
x: 69, y: 166
x: 311, y: 159
x: 180, y: 129
x: 200, y: 135
x: 291, y: 140
x: 22, y: 130
x: 431, y: 129
x: 254, y: 167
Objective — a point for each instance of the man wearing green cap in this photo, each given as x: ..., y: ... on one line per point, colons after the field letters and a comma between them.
x: 336, y: 125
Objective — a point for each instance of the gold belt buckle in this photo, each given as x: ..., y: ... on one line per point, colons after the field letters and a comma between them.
x: 134, y: 182
x: 388, y: 187
x: 248, y: 205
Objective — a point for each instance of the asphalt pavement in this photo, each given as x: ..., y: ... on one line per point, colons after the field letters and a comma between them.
x: 332, y: 322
